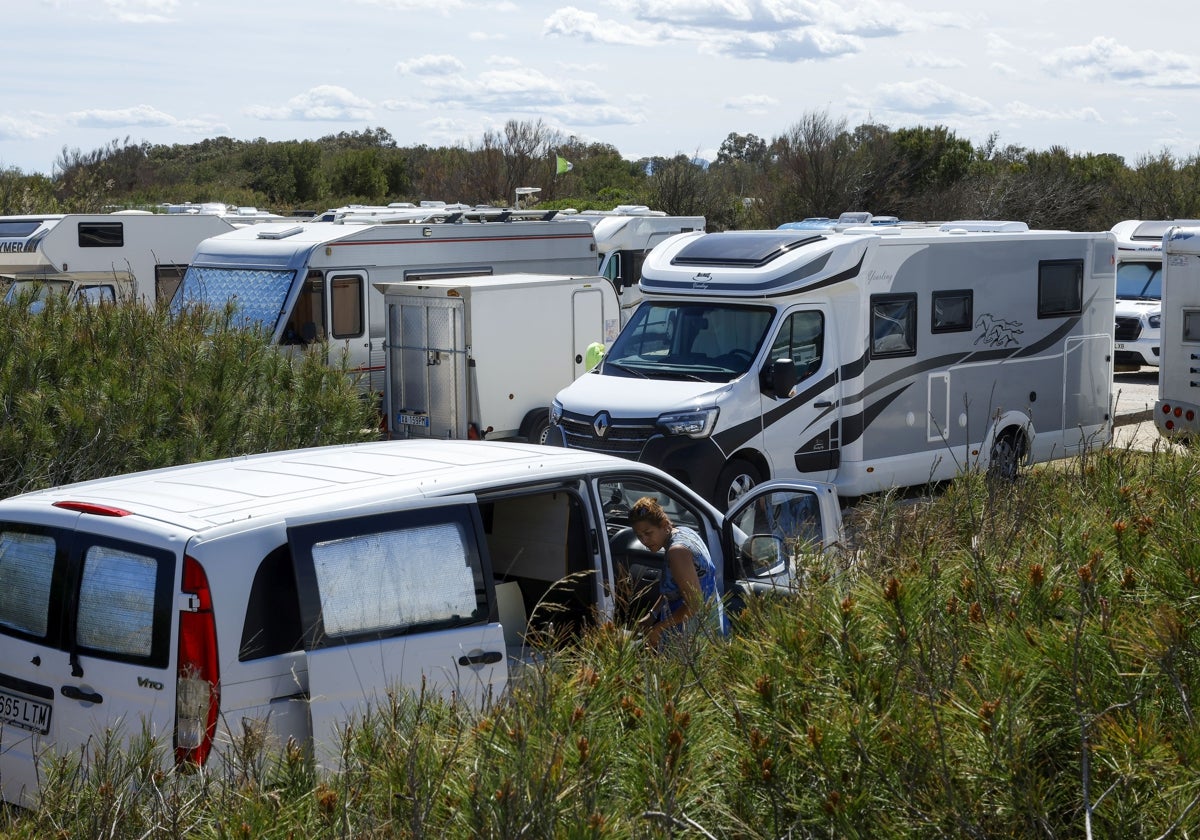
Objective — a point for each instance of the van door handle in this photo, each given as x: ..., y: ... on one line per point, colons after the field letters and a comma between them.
x: 77, y: 693
x: 824, y: 404
x: 490, y: 657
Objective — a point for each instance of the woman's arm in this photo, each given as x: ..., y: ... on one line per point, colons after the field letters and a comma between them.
x: 683, y: 569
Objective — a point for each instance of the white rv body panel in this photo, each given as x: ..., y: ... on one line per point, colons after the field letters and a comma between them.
x: 483, y: 357
x: 134, y: 256
x: 1177, y: 410
x: 919, y: 352
x: 320, y: 281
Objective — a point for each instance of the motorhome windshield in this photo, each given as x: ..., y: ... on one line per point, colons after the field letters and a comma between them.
x: 700, y: 341
x: 258, y: 294
x: 34, y: 290
x: 1139, y: 281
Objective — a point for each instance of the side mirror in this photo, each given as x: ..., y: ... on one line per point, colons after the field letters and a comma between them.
x: 779, y: 377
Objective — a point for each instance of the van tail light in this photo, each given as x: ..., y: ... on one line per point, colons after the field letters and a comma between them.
x: 197, y: 683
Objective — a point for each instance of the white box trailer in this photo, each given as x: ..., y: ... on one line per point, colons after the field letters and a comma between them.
x: 1177, y: 410
x: 483, y: 357
x: 869, y: 357
x: 318, y: 281
x: 119, y: 257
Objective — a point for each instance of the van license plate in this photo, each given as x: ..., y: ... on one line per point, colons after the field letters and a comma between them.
x: 24, y: 712
x: 413, y: 420
x: 1120, y: 345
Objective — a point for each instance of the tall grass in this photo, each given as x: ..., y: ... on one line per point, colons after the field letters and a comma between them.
x: 93, y: 391
x: 994, y: 660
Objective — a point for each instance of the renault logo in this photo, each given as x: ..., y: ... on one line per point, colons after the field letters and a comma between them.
x: 601, y: 424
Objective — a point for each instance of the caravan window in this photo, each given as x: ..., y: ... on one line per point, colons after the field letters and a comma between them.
x: 1060, y: 288
x: 893, y: 325
x: 101, y: 235
x: 1191, y: 325
x: 951, y: 311
x: 346, y: 305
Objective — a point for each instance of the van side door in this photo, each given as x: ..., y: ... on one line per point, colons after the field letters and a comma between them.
x: 802, y: 427
x: 395, y: 598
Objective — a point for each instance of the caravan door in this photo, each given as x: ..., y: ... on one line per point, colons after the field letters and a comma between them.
x: 348, y: 328
x: 395, y: 599
x: 802, y: 429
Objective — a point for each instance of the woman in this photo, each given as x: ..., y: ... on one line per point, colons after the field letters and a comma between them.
x: 688, y: 588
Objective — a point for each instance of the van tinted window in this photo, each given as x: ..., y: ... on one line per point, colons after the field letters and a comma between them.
x: 26, y: 575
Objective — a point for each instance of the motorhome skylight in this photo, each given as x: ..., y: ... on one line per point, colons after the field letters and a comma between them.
x: 740, y: 250
x: 1155, y: 230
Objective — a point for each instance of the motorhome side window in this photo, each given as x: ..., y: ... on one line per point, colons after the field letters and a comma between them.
x: 1060, y: 288
x: 346, y: 305
x: 801, y: 338
x: 893, y: 325
x: 1191, y: 325
x: 101, y: 235
x: 308, y: 316
x: 391, y: 574
x: 166, y: 281
x: 951, y: 311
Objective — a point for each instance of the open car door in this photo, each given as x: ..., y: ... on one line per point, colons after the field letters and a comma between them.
x: 772, y: 531
x: 396, y: 599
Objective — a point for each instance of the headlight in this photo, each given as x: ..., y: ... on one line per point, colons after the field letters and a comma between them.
x: 1155, y: 321
x: 555, y: 412
x: 697, y: 424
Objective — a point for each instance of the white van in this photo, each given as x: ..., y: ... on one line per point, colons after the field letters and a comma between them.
x: 290, y: 590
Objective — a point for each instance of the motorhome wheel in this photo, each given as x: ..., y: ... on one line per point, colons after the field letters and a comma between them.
x: 1008, y: 453
x: 735, y: 480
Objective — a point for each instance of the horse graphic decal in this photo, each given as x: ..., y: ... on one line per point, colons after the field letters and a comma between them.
x: 997, y: 332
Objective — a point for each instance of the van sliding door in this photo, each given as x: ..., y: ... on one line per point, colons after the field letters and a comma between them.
x: 397, y: 600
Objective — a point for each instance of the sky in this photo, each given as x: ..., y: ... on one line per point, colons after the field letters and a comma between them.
x: 649, y: 77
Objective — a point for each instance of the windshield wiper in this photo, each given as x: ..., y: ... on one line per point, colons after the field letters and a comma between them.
x: 626, y: 368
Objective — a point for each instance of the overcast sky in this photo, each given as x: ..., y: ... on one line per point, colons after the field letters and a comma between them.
x: 650, y: 77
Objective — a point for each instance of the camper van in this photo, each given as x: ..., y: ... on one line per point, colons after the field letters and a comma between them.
x: 482, y: 357
x: 284, y: 594
x: 97, y: 257
x: 871, y: 357
x: 318, y: 281
x: 1177, y: 410
x: 1139, y: 291
x: 624, y: 236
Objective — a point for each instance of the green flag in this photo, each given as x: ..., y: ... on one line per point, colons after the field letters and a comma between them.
x: 564, y: 165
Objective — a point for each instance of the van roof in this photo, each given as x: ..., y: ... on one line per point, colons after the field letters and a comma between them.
x: 307, y: 481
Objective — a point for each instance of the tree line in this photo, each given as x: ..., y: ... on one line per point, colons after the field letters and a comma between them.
x: 819, y: 166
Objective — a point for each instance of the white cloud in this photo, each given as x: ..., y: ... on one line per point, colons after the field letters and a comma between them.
x: 142, y: 11
x: 142, y: 116
x: 587, y: 26
x: 1005, y: 70
x: 442, y: 6
x: 932, y: 61
x: 1017, y: 110
x: 751, y: 103
x: 791, y: 46
x: 430, y: 65
x: 13, y: 128
x: 929, y: 99
x: 486, y: 36
x: 321, y: 103
x: 1106, y: 60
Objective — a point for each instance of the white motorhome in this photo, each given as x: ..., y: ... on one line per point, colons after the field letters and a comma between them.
x: 119, y: 257
x: 868, y: 357
x: 483, y: 357
x: 317, y: 281
x: 1139, y: 291
x: 624, y: 236
x: 283, y: 594
x: 1177, y: 410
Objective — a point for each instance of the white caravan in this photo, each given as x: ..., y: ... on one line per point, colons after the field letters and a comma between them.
x: 280, y: 595
x: 1139, y: 291
x: 483, y: 357
x: 1177, y: 411
x: 870, y: 357
x: 118, y: 257
x: 624, y: 236
x: 317, y: 281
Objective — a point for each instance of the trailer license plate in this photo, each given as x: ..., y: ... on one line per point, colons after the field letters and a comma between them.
x: 413, y: 420
x: 24, y: 712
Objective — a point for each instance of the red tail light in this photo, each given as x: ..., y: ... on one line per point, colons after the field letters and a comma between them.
x: 197, y: 682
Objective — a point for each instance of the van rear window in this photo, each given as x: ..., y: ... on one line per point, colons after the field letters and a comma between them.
x: 26, y: 575
x: 116, y: 602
